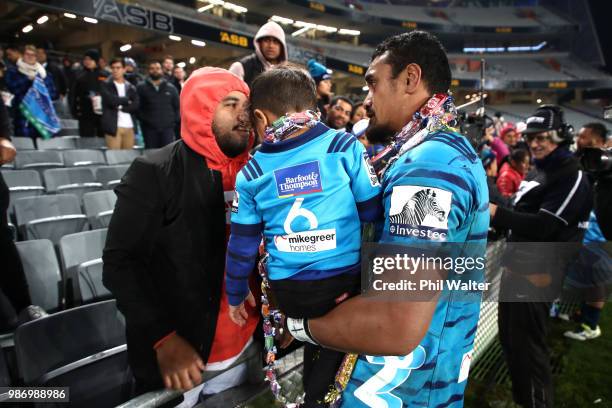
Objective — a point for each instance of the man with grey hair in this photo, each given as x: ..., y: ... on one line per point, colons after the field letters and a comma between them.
x: 551, y: 205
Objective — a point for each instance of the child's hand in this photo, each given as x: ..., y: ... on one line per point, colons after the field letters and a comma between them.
x: 238, y: 314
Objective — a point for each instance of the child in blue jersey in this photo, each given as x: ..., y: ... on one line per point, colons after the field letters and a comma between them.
x: 306, y: 191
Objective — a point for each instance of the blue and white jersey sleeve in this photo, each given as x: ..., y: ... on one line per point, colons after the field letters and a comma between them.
x: 242, y: 249
x: 364, y: 184
x: 431, y: 202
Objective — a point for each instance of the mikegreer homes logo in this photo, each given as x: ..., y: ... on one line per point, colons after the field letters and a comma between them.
x: 299, y: 180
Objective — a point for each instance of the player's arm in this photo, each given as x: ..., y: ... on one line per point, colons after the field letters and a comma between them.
x: 364, y: 184
x: 242, y: 249
x: 377, y: 325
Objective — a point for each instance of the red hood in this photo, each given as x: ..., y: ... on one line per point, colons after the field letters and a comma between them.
x: 201, y: 94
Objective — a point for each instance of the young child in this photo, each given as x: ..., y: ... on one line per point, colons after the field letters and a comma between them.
x: 306, y: 190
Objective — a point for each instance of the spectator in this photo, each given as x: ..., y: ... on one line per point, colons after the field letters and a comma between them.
x: 513, y: 171
x: 19, y: 79
x: 496, y: 144
x: 591, y: 135
x: 56, y: 73
x: 165, y: 252
x: 509, y: 136
x: 159, y: 108
x: 489, y: 162
x: 14, y: 293
x: 178, y: 78
x: 552, y: 205
x: 69, y: 73
x: 322, y: 77
x: 359, y: 113
x: 12, y: 55
x: 85, y: 99
x: 103, y: 65
x: 339, y: 113
x: 168, y: 67
x: 120, y: 103
x: 131, y: 72
x: 270, y: 50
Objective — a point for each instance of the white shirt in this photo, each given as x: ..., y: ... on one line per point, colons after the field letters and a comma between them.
x: 124, y: 120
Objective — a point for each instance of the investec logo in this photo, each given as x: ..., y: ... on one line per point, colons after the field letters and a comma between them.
x: 307, y: 241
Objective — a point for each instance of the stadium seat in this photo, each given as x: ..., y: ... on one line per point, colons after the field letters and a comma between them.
x: 110, y: 176
x: 99, y: 206
x: 56, y: 143
x: 83, y: 157
x: 83, y: 349
x: 121, y: 156
x: 74, y: 181
x: 49, y: 217
x: 91, y: 143
x: 5, y: 376
x: 81, y: 255
x: 42, y: 273
x: 22, y: 183
x: 39, y: 160
x: 23, y: 143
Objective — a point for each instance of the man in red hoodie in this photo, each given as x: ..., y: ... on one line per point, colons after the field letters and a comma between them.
x: 164, y: 257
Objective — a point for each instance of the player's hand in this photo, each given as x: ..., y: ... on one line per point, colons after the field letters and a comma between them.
x: 238, y: 314
x: 179, y: 364
x: 492, y: 209
x: 7, y: 151
x: 283, y: 337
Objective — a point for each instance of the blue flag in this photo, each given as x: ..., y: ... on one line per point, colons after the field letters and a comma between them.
x: 38, y: 109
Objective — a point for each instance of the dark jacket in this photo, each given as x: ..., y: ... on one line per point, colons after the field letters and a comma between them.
x: 252, y: 68
x: 111, y: 102
x: 87, y: 84
x: 58, y: 77
x: 159, y: 108
x: 165, y: 253
x: 552, y: 203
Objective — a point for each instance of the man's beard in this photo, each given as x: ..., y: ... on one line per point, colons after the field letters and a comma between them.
x: 379, y: 134
x: 231, y: 145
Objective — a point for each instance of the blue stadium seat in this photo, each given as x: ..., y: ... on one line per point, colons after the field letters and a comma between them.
x: 83, y: 349
x: 42, y: 273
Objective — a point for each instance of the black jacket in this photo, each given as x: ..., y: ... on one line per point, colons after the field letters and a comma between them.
x: 86, y: 84
x: 252, y: 68
x: 58, y: 78
x: 111, y: 102
x: 552, y: 203
x: 159, y: 108
x: 165, y: 253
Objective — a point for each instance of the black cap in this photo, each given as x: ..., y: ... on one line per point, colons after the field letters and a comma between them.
x: 544, y: 119
x: 93, y: 54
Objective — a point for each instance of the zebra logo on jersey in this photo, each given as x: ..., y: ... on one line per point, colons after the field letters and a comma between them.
x: 421, y: 212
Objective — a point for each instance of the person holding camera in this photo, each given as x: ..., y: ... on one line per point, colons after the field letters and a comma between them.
x: 551, y: 205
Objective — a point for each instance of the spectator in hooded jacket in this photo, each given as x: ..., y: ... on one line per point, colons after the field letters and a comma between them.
x: 270, y: 50
x: 164, y: 258
x: 85, y: 99
x: 513, y: 171
x: 19, y: 78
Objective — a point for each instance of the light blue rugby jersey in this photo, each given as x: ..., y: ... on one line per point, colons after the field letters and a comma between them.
x: 307, y: 196
x: 437, y: 191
